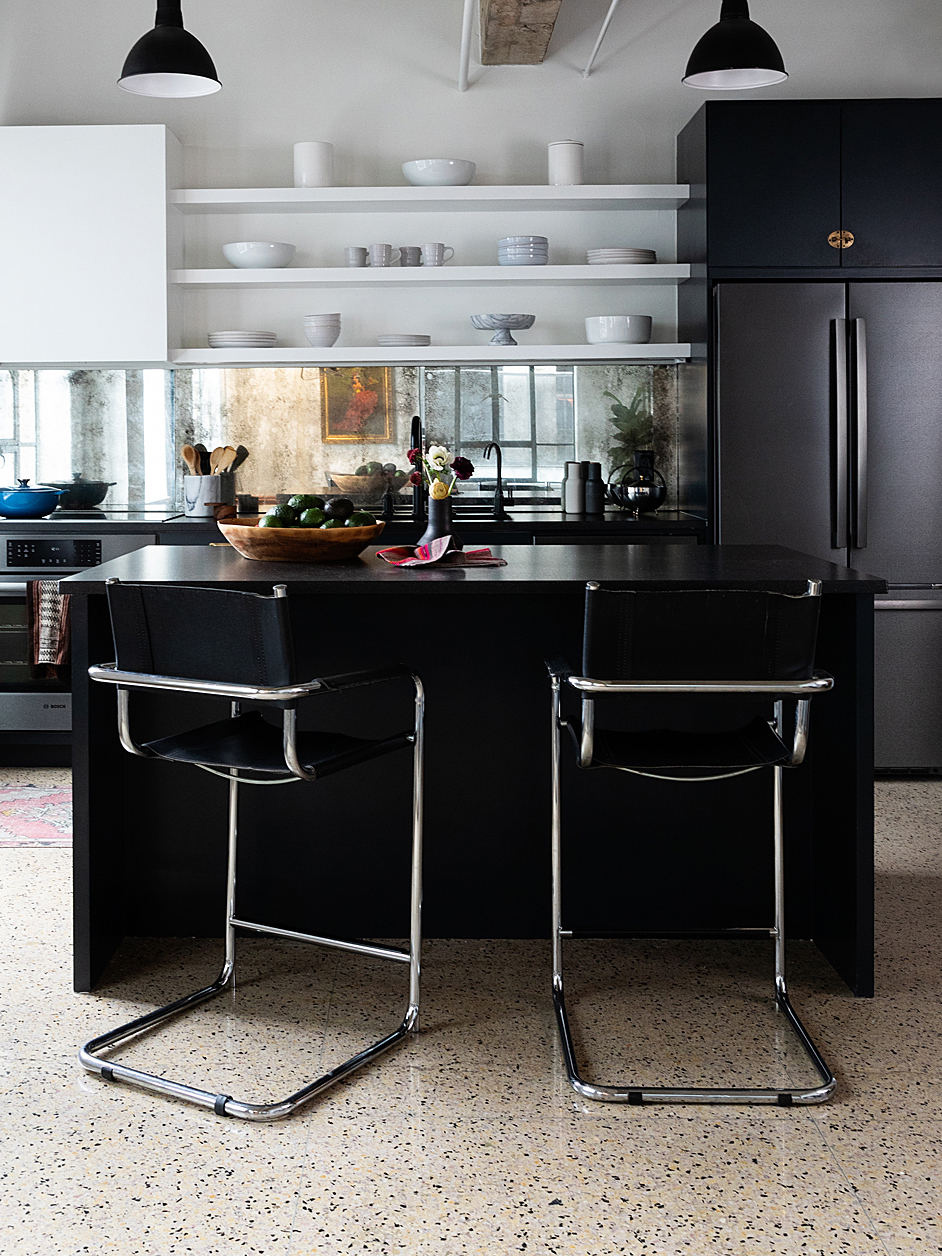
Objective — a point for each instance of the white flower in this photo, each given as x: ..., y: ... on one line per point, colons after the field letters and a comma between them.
x: 438, y: 457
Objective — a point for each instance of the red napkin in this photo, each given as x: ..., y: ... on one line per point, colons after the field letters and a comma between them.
x: 442, y: 551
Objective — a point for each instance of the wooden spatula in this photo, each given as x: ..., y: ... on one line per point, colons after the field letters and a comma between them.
x: 192, y: 459
x: 215, y: 458
x: 226, y: 459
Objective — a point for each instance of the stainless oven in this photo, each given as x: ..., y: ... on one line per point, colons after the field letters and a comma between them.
x: 28, y: 705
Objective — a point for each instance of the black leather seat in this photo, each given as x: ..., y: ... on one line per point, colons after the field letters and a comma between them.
x: 689, y: 686
x: 238, y: 646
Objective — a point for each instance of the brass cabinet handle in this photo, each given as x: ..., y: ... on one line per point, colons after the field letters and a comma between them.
x: 841, y: 239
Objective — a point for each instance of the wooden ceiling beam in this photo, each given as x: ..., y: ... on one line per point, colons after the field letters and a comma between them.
x: 516, y: 32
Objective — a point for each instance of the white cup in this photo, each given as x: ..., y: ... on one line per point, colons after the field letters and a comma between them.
x: 434, y: 254
x: 313, y: 164
x: 618, y: 329
x: 356, y: 256
x: 201, y: 493
x: 382, y: 255
x: 565, y: 163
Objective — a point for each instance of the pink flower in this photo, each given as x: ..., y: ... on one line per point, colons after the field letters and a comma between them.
x: 416, y: 476
x: 413, y: 455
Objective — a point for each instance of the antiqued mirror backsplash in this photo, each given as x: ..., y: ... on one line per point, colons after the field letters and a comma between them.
x: 303, y: 426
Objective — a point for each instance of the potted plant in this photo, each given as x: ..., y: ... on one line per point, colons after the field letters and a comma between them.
x: 439, y: 472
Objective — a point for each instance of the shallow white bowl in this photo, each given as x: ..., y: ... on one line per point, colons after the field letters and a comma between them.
x: 258, y: 254
x: 439, y: 172
x: 618, y: 329
x: 322, y: 338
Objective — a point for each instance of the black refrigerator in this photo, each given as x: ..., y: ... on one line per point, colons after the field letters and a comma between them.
x: 828, y: 400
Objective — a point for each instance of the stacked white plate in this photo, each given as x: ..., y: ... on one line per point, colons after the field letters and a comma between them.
x: 241, y: 339
x: 523, y: 251
x: 620, y: 257
x: 321, y: 330
x: 403, y: 340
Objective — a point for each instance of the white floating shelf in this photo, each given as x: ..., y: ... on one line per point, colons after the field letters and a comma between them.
x: 604, y: 196
x: 434, y: 355
x: 430, y: 276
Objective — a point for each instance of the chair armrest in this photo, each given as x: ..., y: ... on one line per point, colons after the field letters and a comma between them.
x: 352, y: 680
x: 109, y: 674
x: 559, y: 667
x: 819, y: 683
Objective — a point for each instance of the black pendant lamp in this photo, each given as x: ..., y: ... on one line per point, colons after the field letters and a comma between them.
x: 168, y: 61
x: 735, y: 54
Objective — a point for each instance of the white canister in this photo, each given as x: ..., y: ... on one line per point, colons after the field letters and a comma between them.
x: 202, y: 493
x: 566, y: 163
x: 313, y: 164
x: 573, y: 489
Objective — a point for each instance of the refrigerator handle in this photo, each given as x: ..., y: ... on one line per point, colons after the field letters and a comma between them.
x: 859, y: 511
x: 839, y: 456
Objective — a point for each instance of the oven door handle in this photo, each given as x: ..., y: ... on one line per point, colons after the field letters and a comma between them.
x: 9, y: 589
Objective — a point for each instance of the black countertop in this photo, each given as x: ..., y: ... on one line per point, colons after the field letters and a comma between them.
x: 529, y: 569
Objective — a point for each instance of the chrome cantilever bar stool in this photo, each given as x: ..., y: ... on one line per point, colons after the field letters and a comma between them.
x: 238, y: 646
x: 733, y: 645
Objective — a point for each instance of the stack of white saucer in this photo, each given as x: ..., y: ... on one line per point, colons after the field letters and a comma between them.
x: 404, y: 340
x: 241, y: 340
x: 620, y: 257
x: 322, y: 330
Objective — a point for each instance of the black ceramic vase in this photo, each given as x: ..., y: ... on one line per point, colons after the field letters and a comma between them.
x: 439, y: 522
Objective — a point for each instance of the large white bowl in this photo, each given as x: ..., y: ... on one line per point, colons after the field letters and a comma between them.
x: 438, y: 172
x: 258, y: 254
x: 618, y: 329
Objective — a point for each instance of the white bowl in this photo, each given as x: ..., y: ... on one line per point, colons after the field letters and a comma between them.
x: 258, y: 254
x: 322, y: 337
x: 618, y: 329
x: 438, y: 172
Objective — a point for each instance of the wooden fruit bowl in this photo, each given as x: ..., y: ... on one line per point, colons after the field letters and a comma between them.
x: 298, y: 545
x: 370, y: 485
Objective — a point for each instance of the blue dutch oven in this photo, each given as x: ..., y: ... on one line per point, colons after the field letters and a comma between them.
x: 25, y: 502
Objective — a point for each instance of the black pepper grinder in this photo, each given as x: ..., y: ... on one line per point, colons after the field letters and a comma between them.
x: 418, y: 491
x: 594, y: 490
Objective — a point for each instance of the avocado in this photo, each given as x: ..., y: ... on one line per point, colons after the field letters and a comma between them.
x: 361, y: 519
x: 333, y: 523
x: 283, y: 512
x: 338, y: 508
x: 305, y: 501
x: 312, y: 518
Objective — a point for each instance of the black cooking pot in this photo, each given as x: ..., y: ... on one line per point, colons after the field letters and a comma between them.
x: 81, y: 494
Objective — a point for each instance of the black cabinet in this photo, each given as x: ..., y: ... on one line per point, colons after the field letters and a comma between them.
x: 813, y: 185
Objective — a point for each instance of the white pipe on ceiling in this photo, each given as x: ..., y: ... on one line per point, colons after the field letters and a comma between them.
x: 602, y: 33
x: 467, y: 26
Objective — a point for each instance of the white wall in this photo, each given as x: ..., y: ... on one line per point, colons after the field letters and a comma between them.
x: 377, y: 77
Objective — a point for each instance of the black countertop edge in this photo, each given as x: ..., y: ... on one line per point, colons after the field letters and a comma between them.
x: 537, y: 522
x: 530, y: 569
x: 837, y: 273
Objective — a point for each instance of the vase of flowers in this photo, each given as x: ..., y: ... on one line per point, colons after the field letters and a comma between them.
x: 439, y: 473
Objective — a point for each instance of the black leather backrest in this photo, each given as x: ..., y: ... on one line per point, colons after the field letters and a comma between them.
x: 202, y: 634
x: 698, y: 635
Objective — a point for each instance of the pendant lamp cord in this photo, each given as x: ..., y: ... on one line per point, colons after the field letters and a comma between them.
x: 734, y: 8
x: 169, y: 13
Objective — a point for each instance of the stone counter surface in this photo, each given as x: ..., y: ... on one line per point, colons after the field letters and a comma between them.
x: 536, y: 569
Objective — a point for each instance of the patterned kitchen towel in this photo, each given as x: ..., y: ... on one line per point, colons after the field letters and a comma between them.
x: 441, y: 551
x: 49, y: 619
x: 35, y: 815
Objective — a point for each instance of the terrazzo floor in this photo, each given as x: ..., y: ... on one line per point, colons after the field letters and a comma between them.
x: 467, y: 1140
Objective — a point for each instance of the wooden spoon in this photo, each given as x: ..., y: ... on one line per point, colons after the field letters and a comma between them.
x: 227, y: 458
x: 215, y: 458
x: 192, y: 459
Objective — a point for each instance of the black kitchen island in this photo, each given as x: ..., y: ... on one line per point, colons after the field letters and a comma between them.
x: 150, y: 836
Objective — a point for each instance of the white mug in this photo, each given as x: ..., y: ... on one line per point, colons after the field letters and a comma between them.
x: 434, y: 254
x: 382, y: 255
x: 313, y: 164
x: 356, y: 256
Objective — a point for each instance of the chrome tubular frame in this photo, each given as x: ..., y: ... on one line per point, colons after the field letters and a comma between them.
x: 90, y: 1056
x: 640, y: 1094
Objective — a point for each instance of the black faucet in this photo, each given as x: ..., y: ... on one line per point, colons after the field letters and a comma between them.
x: 499, y: 511
x: 418, y: 490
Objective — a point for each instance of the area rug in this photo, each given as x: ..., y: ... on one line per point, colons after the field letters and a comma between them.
x: 35, y: 815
